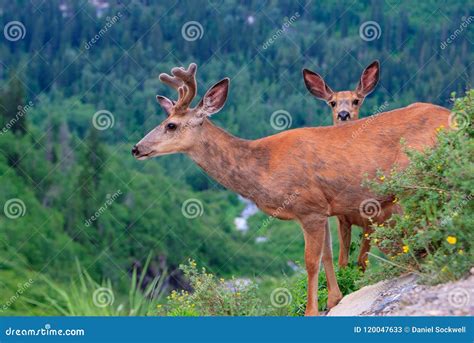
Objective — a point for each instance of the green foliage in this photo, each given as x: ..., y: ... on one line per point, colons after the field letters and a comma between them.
x: 86, y: 297
x: 347, y: 279
x: 434, y: 235
x: 12, y: 104
x: 212, y: 297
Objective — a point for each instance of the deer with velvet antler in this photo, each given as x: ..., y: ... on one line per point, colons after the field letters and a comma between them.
x: 302, y: 161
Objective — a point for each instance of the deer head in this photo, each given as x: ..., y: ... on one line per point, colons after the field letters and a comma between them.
x: 345, y: 105
x: 180, y: 130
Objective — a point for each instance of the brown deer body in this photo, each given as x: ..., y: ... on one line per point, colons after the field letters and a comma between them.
x: 299, y: 161
x: 345, y: 106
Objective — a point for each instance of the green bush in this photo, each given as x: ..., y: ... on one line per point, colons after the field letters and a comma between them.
x: 347, y: 279
x: 212, y: 297
x: 434, y: 235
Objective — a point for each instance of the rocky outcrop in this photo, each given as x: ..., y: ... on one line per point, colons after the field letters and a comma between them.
x: 403, y: 296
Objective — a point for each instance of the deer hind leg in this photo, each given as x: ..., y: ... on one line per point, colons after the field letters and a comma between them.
x: 334, y: 293
x: 364, y: 248
x: 344, y: 233
x: 314, y: 229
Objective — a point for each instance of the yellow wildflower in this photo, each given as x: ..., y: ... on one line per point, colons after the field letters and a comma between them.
x: 451, y: 240
x: 221, y: 280
x: 382, y: 178
x: 440, y: 128
x: 366, y: 235
x: 406, y: 249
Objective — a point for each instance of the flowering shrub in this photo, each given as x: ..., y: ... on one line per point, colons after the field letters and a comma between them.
x: 212, y: 297
x: 434, y: 235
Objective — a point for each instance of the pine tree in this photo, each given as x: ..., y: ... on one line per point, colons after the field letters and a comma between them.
x: 12, y: 107
x: 90, y: 176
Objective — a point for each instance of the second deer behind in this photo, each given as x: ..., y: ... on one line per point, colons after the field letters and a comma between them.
x: 345, y: 106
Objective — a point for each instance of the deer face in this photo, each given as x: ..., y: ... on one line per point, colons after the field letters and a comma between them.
x: 183, y: 127
x: 344, y: 105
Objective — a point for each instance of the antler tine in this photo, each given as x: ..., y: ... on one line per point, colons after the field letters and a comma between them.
x: 188, y: 77
x: 171, y: 81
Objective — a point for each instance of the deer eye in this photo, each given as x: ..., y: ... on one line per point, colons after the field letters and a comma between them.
x: 355, y: 102
x: 171, y: 126
x: 332, y: 103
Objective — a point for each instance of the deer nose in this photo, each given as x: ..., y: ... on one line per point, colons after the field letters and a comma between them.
x: 343, y: 115
x: 135, y: 150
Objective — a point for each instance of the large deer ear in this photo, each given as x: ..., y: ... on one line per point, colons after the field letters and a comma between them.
x: 165, y: 103
x: 369, y: 79
x: 215, y: 98
x: 316, y: 85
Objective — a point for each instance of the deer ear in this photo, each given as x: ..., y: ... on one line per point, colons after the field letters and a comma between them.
x: 215, y: 98
x: 369, y: 79
x: 165, y: 103
x: 316, y: 85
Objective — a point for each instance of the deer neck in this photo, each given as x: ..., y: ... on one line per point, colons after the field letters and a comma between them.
x: 234, y: 162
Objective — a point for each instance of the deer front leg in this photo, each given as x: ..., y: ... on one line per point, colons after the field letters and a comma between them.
x: 334, y: 293
x: 344, y: 233
x: 314, y: 229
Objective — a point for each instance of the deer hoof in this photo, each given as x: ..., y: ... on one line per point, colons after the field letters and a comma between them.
x: 333, y: 300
